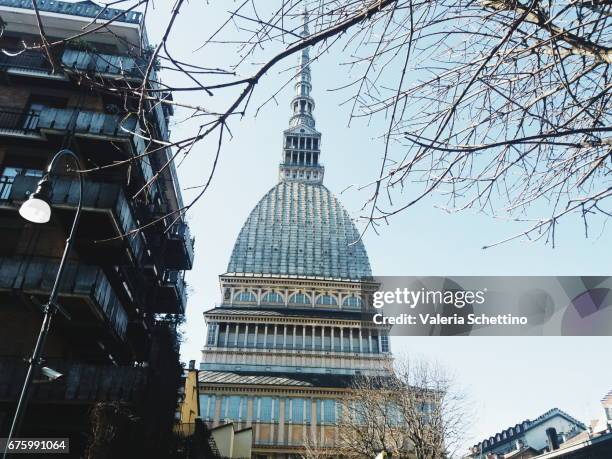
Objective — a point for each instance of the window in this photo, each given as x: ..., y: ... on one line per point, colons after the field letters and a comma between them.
x: 352, y: 302
x: 384, y: 343
x: 268, y: 409
x: 207, y: 407
x: 273, y: 298
x: 233, y: 407
x: 212, y: 332
x: 245, y: 297
x: 326, y: 411
x: 299, y: 299
x: 327, y: 300
x: 297, y: 410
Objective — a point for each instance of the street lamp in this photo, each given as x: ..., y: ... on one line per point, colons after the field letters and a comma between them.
x: 37, y: 209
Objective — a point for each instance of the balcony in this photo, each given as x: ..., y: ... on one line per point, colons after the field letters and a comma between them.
x: 35, y: 64
x: 81, y: 382
x: 87, y: 123
x: 29, y: 63
x: 113, y: 65
x: 97, y: 196
x: 17, y: 122
x: 171, y: 295
x: 178, y: 253
x: 81, y: 285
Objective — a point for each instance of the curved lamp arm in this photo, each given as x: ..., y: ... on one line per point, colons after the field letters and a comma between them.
x: 43, y: 196
x: 77, y: 216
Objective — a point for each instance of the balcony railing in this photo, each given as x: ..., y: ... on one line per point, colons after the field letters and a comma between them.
x: 171, y: 296
x: 36, y: 63
x: 80, y: 383
x: 18, y: 122
x: 84, y: 122
x: 37, y: 275
x: 179, y: 251
x: 28, y: 61
x: 90, y: 123
x: 96, y: 196
x: 110, y: 64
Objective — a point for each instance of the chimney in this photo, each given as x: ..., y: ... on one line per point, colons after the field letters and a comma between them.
x: 192, y: 364
x: 553, y: 442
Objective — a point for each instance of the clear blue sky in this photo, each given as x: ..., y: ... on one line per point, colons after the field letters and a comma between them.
x: 507, y: 379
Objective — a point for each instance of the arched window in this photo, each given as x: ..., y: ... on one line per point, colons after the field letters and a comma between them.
x: 245, y: 297
x: 272, y: 298
x: 352, y: 302
x: 327, y: 300
x: 299, y: 299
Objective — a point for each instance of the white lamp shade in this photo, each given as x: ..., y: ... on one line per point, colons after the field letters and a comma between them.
x: 35, y: 210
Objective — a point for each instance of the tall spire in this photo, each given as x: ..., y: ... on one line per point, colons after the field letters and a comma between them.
x: 302, y: 111
x: 302, y: 142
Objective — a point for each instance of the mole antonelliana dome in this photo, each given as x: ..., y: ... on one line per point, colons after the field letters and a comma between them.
x: 300, y: 229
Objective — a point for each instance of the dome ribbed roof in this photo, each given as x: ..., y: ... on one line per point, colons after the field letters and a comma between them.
x: 300, y: 229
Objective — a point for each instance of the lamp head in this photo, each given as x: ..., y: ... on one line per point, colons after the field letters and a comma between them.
x: 37, y: 208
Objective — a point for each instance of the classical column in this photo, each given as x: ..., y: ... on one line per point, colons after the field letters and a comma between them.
x: 360, y: 341
x: 370, y: 340
x: 294, y: 340
x: 265, y: 346
x: 332, y: 340
x: 285, y: 336
x: 304, y: 337
x: 246, y: 336
x: 379, y: 342
x: 275, y: 330
x: 256, y: 333
x: 227, y: 327
x: 281, y: 420
x: 237, y: 333
x: 341, y: 339
x: 313, y: 337
x: 350, y: 330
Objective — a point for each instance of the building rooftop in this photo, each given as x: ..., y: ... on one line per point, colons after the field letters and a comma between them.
x: 518, y: 430
x: 265, y: 379
x: 84, y: 8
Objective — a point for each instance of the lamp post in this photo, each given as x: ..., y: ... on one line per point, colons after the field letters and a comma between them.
x: 37, y: 209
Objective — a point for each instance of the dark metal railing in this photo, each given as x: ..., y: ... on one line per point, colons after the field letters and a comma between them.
x: 97, y: 195
x: 36, y: 276
x: 18, y: 121
x: 180, y: 231
x: 80, y: 382
x: 86, y: 122
x: 26, y: 60
x: 175, y: 281
x: 112, y: 64
x: 76, y: 59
